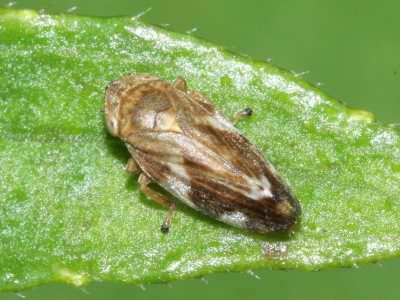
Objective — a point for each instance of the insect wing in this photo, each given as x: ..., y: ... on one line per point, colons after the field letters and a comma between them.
x: 206, y: 163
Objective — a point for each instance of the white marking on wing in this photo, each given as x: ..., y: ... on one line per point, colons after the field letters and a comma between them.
x: 220, y: 122
x: 236, y: 218
x: 259, y: 188
x: 178, y: 183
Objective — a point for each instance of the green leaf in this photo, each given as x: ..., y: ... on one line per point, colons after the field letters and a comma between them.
x: 70, y: 213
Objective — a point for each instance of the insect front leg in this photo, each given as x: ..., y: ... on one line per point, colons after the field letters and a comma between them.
x: 144, y: 182
x: 242, y: 114
x: 132, y: 167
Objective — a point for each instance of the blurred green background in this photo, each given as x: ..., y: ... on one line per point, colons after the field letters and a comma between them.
x: 350, y: 48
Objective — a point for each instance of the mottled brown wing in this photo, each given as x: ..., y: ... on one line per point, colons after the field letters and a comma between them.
x: 210, y: 166
x: 215, y: 132
x: 198, y: 119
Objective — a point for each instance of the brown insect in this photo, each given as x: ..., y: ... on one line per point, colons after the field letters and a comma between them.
x: 178, y: 139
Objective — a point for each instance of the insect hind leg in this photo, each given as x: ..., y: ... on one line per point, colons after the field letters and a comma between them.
x: 144, y: 182
x: 132, y: 167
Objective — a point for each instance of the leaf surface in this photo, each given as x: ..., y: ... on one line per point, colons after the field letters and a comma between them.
x: 70, y: 213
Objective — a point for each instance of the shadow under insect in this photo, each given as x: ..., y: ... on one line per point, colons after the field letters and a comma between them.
x: 116, y: 147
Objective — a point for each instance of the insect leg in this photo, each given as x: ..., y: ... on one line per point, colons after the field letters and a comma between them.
x: 132, y: 167
x: 240, y: 115
x: 144, y: 182
x: 180, y: 84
